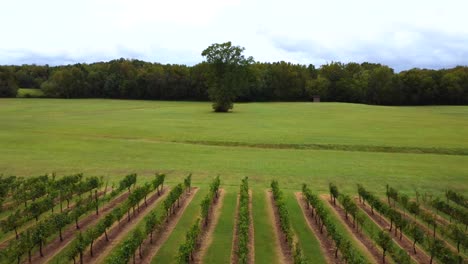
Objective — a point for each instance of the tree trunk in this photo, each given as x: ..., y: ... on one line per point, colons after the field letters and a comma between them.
x: 105, y: 232
x: 60, y: 233
x: 29, y: 255
x: 414, y: 246
x: 81, y: 257
x: 91, y: 248
x: 383, y: 257
x: 40, y: 249
x: 76, y: 223
x: 68, y: 203
x: 16, y: 232
x: 151, y: 237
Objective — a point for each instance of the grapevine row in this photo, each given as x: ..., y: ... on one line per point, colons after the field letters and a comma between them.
x: 434, y: 246
x: 187, y: 249
x: 381, y: 238
x: 87, y: 239
x: 152, y: 223
x: 285, y: 223
x: 322, y: 218
x: 243, y: 223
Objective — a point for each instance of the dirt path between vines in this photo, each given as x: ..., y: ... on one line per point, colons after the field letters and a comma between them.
x: 68, y: 234
x: 282, y: 245
x: 363, y: 241
x: 326, y: 244
x: 150, y: 250
x: 118, y: 231
x: 206, y: 236
x: 405, y: 243
x: 235, y: 241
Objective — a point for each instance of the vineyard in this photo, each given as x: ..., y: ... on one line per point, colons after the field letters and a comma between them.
x: 79, y: 219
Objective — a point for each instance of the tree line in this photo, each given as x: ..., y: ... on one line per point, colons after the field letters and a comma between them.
x: 368, y: 83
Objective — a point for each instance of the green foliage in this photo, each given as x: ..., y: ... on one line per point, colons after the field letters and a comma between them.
x: 384, y: 241
x: 348, y: 253
x: 214, y: 186
x: 188, y: 182
x: 283, y: 214
x: 458, y: 234
x: 209, y: 199
x: 278, y: 81
x: 172, y: 198
x: 8, y: 84
x: 444, y: 255
x: 333, y: 192
x: 417, y: 234
x: 457, y: 198
x: 127, y: 249
x: 128, y: 182
x: 228, y: 69
x: 158, y: 182
x: 459, y: 214
x: 243, y: 223
x: 191, y: 238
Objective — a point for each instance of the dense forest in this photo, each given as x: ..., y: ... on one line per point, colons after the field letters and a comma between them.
x: 280, y: 81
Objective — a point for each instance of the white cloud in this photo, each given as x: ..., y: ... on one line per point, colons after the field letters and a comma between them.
x: 400, y: 33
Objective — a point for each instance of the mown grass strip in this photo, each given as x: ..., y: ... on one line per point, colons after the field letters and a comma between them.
x: 220, y: 249
x: 310, y: 245
x: 169, y: 251
x: 265, y: 246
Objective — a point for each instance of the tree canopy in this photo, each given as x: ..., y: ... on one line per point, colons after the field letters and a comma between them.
x: 227, y: 74
x: 367, y: 83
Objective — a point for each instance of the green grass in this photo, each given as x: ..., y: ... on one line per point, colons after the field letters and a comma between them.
x: 309, y: 243
x: 116, y: 137
x: 220, y: 248
x: 29, y: 92
x: 263, y: 230
x: 170, y: 249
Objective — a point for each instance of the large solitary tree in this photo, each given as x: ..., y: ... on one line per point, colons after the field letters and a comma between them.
x: 228, y: 70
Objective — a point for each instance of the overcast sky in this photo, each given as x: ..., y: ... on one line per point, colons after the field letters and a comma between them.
x: 400, y: 33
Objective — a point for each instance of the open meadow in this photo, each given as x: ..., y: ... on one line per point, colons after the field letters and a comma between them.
x: 417, y: 151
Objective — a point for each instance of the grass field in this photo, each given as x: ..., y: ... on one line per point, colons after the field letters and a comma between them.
x: 424, y: 148
x: 115, y: 137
